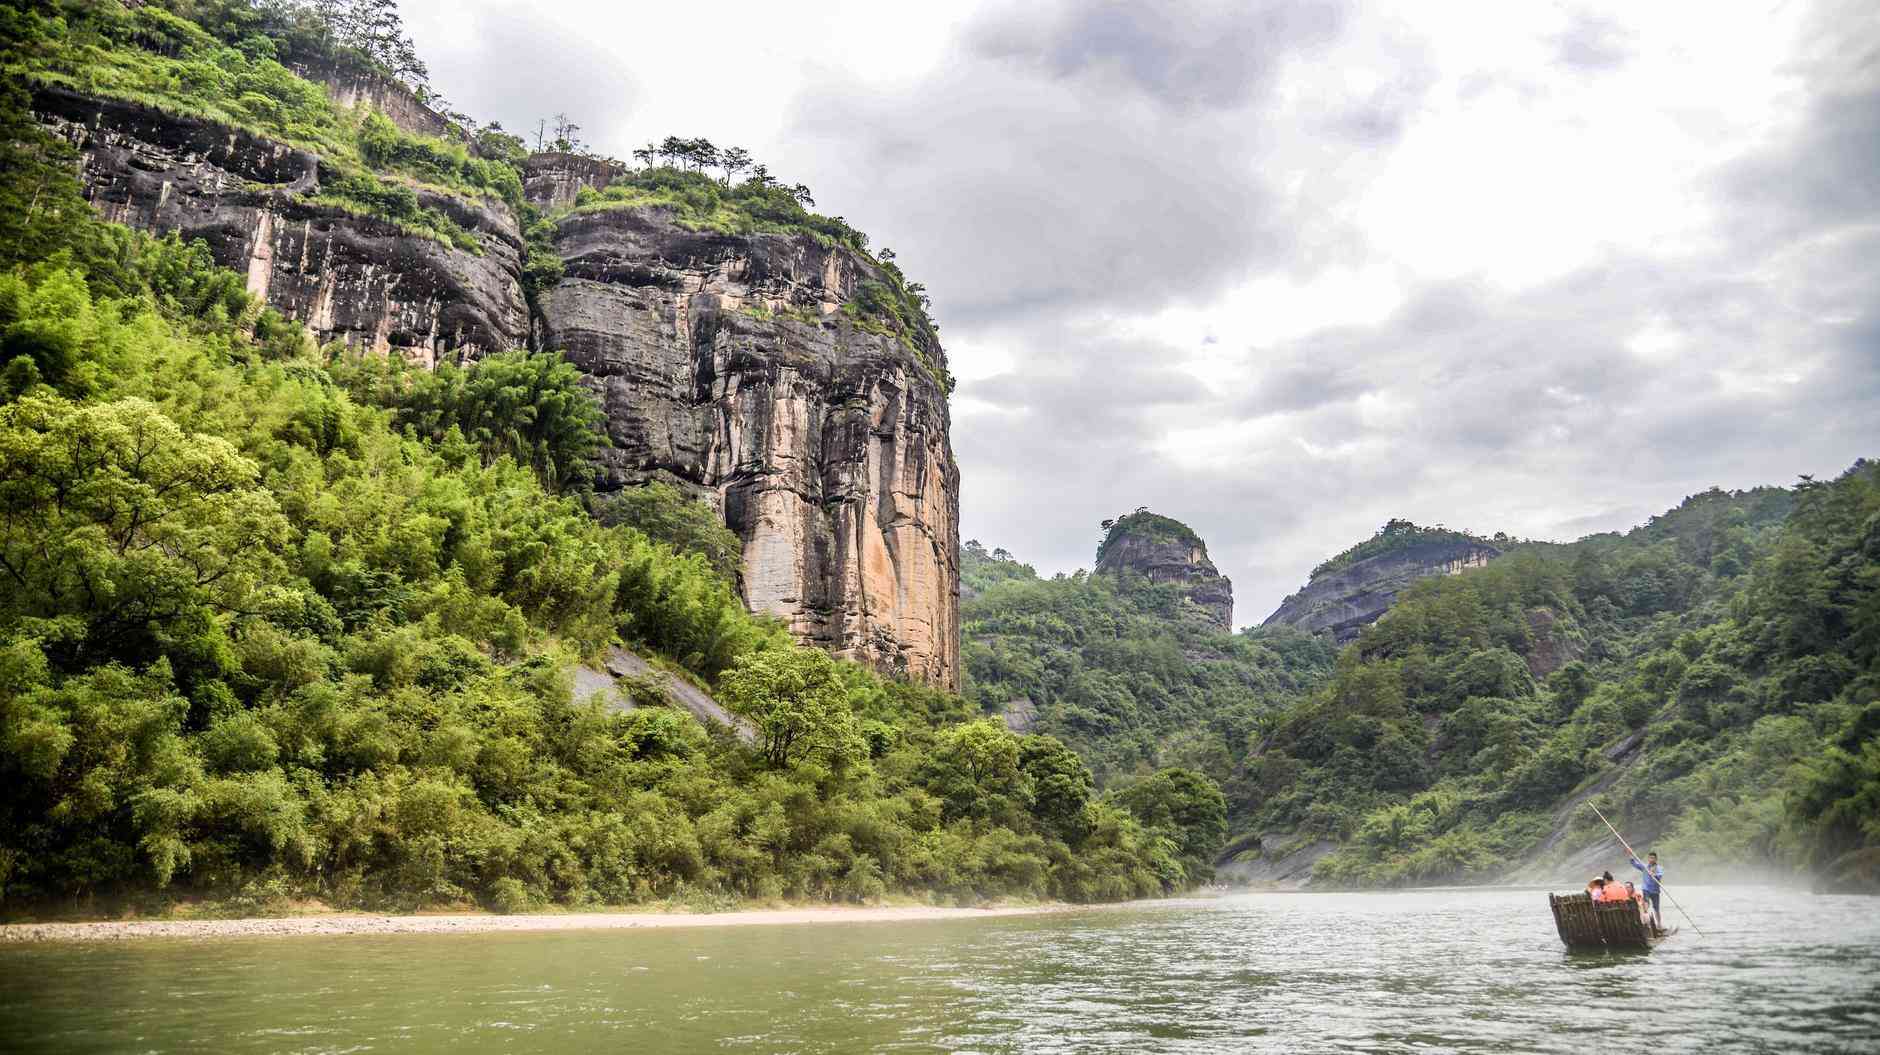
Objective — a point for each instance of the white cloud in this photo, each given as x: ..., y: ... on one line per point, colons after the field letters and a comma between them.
x: 1286, y: 269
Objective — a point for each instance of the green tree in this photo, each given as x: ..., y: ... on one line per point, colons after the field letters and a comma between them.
x: 39, y: 200
x: 1061, y: 786
x: 974, y: 770
x: 796, y: 699
x: 528, y: 406
x: 113, y: 516
x: 666, y: 514
x: 1186, y: 806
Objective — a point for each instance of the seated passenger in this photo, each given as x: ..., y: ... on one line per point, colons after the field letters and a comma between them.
x: 1596, y: 889
x: 1638, y: 899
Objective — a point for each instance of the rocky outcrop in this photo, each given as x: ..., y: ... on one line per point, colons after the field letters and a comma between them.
x: 728, y: 363
x: 1020, y: 715
x: 553, y: 180
x: 352, y: 88
x: 1553, y: 642
x: 348, y: 277
x: 1345, y: 601
x: 1166, y: 551
x: 732, y: 364
x: 1270, y: 861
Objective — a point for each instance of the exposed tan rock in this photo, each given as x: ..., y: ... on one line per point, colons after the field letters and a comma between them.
x: 553, y: 180
x: 348, y: 277
x: 726, y: 363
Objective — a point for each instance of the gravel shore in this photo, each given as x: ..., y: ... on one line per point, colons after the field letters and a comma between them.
x: 472, y: 923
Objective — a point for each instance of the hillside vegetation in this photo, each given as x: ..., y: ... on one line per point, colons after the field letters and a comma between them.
x: 1394, y: 536
x: 1708, y: 678
x: 283, y: 623
x: 1124, y: 670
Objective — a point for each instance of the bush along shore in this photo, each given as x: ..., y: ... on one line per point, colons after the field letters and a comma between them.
x: 282, y: 623
x: 338, y: 924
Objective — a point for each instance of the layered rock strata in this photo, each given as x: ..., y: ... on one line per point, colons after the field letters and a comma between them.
x: 1173, y: 560
x: 348, y: 277
x: 352, y: 88
x: 554, y: 180
x: 1343, y: 602
x: 729, y: 363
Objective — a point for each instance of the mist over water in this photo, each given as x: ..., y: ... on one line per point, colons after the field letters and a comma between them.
x: 1466, y: 970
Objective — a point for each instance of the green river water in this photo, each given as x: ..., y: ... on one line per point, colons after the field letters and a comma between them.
x: 1443, y: 970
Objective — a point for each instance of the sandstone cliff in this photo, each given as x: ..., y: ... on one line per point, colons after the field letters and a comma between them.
x: 348, y: 277
x: 1164, y: 550
x: 727, y: 363
x: 1343, y: 600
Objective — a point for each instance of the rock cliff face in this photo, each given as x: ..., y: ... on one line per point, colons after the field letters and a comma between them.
x: 727, y: 363
x: 347, y: 277
x: 1164, y: 550
x: 1344, y: 602
x: 551, y: 181
x: 724, y: 363
x: 351, y: 88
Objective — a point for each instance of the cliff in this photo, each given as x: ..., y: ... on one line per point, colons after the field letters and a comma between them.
x: 1347, y: 595
x: 736, y: 364
x: 728, y: 363
x: 255, y: 203
x: 1163, y: 550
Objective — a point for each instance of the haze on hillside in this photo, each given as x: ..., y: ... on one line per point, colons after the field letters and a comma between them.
x: 1289, y: 269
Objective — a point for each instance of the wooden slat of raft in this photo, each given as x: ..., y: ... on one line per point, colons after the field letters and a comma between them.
x: 1582, y: 923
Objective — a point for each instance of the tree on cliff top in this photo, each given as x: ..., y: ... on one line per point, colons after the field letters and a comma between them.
x: 1144, y: 524
x: 1398, y: 534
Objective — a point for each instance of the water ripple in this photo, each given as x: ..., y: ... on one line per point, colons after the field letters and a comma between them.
x: 1428, y: 971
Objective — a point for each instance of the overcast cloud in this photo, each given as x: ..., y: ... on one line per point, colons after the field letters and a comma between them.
x: 1289, y: 268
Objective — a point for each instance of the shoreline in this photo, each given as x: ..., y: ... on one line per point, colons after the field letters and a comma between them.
x: 346, y: 923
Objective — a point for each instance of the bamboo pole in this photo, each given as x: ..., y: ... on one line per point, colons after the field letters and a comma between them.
x: 1633, y: 854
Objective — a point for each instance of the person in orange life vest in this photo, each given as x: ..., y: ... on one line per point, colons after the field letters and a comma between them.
x: 1638, y: 900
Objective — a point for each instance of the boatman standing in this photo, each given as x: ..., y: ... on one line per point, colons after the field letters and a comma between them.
x: 1653, y: 874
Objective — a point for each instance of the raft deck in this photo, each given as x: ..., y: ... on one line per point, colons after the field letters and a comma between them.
x: 1585, y: 924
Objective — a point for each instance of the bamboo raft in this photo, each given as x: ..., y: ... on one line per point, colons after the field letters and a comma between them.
x: 1587, y: 925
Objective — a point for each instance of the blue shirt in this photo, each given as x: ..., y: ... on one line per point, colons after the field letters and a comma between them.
x: 1653, y: 874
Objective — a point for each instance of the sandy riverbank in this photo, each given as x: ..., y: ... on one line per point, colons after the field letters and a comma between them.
x: 474, y: 923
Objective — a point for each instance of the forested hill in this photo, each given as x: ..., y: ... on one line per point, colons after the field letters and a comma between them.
x: 1131, y: 671
x: 298, y: 142
x: 1709, y: 679
x: 283, y: 621
x: 1351, y: 590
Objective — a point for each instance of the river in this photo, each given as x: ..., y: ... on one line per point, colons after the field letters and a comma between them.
x: 1427, y: 971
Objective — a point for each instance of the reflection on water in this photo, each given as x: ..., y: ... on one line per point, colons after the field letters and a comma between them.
x: 1451, y: 970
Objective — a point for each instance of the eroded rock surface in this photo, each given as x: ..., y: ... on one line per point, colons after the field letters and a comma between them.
x: 1183, y: 560
x: 348, y: 277
x: 1344, y: 602
x: 725, y: 363
x: 553, y: 180
x: 728, y: 364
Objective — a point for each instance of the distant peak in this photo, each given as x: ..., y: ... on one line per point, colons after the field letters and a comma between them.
x: 1165, y: 550
x: 1144, y: 525
x: 1399, y: 534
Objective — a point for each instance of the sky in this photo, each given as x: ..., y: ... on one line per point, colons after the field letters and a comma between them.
x: 1286, y: 269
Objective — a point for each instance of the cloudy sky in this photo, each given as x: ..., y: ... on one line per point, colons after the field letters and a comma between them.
x: 1285, y: 269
